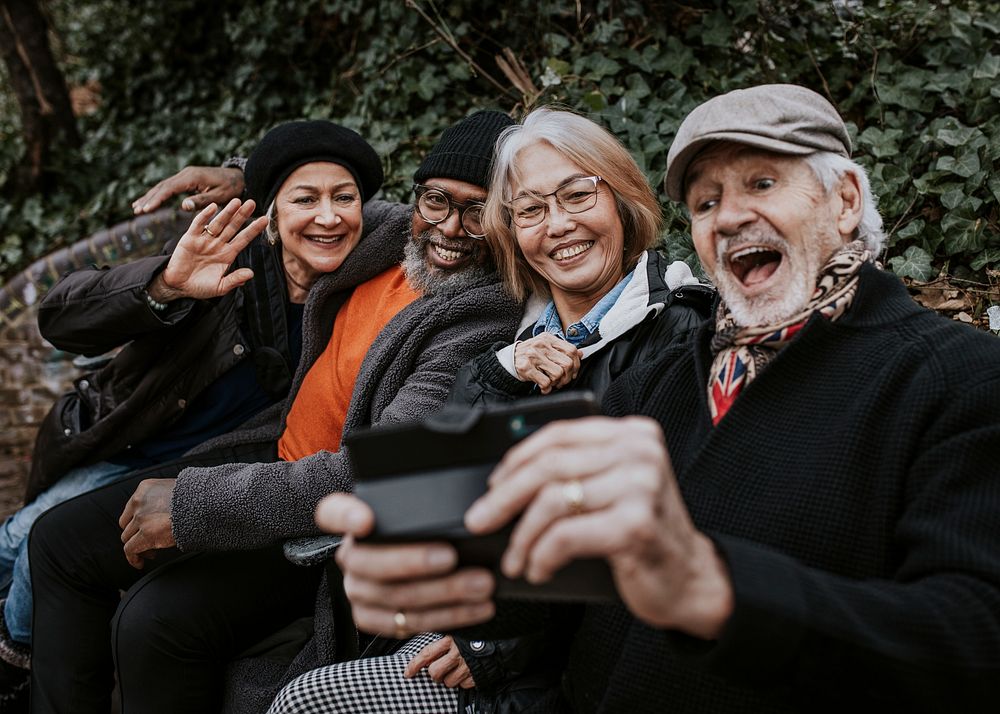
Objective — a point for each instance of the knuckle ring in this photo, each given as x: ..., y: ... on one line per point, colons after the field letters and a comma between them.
x: 208, y: 230
x: 573, y: 494
x: 400, y: 620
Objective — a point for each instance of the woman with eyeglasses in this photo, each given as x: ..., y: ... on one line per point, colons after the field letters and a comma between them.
x: 571, y: 218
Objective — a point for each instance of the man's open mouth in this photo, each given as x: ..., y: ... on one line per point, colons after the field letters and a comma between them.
x: 754, y: 264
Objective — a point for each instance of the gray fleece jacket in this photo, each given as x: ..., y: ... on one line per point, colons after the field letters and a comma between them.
x: 406, y: 375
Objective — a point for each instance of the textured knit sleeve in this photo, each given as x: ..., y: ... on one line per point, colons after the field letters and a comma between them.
x: 235, y: 162
x: 462, y: 327
x: 932, y: 631
x: 251, y: 506
x: 925, y: 636
x: 378, y: 212
x: 631, y: 389
x: 247, y: 506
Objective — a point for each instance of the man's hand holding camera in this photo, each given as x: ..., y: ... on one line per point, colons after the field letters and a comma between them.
x: 400, y: 590
x: 594, y: 487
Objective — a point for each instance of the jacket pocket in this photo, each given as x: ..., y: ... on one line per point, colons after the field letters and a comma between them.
x: 57, y: 444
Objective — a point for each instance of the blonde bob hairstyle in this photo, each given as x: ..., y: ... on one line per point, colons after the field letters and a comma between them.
x: 596, y: 151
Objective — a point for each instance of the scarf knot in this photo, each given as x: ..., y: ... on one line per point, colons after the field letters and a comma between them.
x: 741, y: 353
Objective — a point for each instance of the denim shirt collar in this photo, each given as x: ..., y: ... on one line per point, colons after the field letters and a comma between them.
x: 579, y: 331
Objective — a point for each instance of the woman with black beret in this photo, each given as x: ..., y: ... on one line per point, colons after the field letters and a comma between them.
x: 212, y: 333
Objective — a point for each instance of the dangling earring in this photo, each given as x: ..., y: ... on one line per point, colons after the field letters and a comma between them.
x: 272, y: 239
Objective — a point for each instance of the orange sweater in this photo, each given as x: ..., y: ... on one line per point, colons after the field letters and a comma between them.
x: 317, y: 416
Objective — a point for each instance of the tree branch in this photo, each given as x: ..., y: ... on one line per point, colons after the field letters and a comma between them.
x: 29, y: 27
x: 451, y: 42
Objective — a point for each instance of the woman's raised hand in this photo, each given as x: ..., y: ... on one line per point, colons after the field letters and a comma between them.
x: 546, y: 360
x: 199, y: 264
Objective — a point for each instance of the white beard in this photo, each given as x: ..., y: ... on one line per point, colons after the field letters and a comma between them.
x: 800, y: 267
x: 432, y: 280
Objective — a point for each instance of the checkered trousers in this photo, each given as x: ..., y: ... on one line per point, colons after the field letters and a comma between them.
x: 374, y: 686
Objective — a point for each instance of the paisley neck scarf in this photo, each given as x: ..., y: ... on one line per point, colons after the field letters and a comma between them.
x: 742, y: 352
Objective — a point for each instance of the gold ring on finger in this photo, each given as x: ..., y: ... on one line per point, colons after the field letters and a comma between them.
x: 400, y: 620
x: 208, y: 230
x: 573, y: 493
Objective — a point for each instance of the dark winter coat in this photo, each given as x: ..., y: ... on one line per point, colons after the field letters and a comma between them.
x: 645, y: 321
x: 647, y: 318
x: 852, y: 491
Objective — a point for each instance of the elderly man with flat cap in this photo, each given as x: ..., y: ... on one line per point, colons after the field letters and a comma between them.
x: 800, y: 506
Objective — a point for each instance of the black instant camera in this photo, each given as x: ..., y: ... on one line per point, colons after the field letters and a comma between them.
x: 420, y: 479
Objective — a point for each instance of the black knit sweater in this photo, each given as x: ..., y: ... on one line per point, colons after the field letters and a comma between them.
x: 854, y: 491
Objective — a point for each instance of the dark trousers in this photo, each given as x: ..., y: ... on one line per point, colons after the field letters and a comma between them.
x: 169, y: 638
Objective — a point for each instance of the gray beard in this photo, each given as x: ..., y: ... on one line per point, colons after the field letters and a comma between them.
x: 781, y: 301
x: 431, y: 280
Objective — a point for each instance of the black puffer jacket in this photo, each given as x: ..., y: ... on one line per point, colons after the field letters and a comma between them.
x: 660, y: 306
x: 169, y: 357
x: 655, y: 310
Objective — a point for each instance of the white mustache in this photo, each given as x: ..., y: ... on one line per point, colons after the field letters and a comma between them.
x: 749, y: 236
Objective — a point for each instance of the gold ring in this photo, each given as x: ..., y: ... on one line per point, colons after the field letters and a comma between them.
x: 209, y: 231
x: 400, y: 619
x: 573, y: 493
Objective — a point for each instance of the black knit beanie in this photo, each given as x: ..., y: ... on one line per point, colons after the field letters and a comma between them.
x: 286, y: 147
x: 465, y: 150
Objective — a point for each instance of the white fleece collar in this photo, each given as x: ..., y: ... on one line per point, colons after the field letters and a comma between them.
x: 631, y: 308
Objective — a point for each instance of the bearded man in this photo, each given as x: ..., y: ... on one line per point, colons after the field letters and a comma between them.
x: 177, y: 628
x: 799, y: 507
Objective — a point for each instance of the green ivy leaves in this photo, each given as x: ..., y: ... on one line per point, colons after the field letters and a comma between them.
x: 914, y: 263
x: 916, y: 80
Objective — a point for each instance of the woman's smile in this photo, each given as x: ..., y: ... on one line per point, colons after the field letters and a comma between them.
x: 578, y: 254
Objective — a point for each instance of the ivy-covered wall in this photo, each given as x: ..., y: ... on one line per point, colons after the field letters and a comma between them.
x: 162, y: 85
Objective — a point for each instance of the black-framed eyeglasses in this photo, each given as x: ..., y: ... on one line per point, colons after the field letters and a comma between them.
x: 435, y: 205
x: 575, y: 196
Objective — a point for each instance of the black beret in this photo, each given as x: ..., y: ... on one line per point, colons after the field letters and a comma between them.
x: 286, y: 147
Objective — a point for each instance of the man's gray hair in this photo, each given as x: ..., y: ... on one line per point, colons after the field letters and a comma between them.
x: 829, y: 168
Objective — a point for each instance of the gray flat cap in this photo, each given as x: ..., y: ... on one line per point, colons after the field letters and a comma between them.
x: 784, y: 118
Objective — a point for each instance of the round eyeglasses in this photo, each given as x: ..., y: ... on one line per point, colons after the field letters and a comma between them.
x: 435, y: 206
x: 575, y: 196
